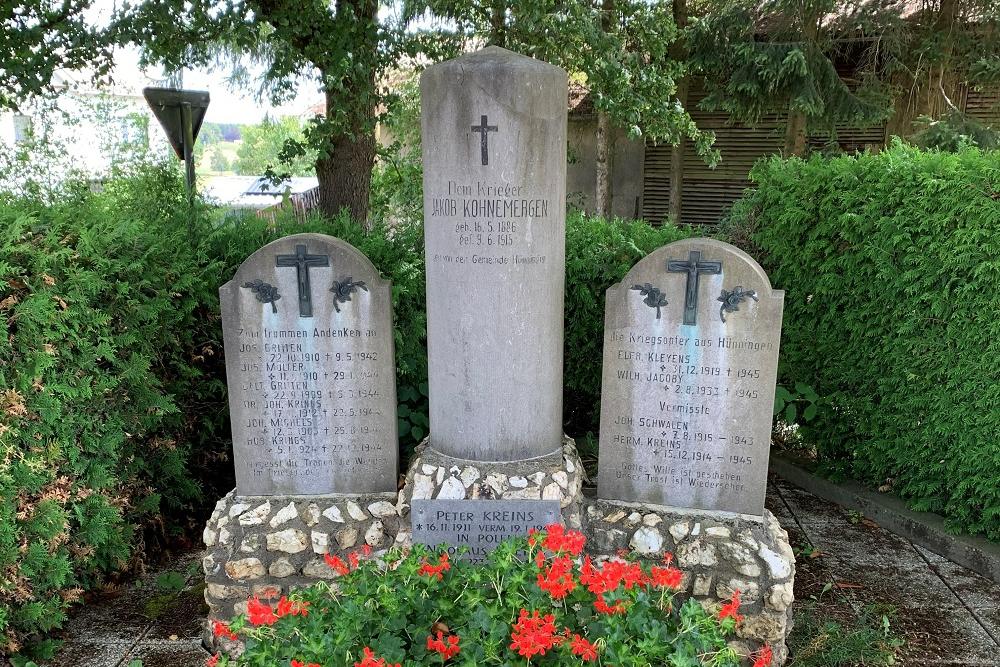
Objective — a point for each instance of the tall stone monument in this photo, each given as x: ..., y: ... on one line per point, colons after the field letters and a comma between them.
x: 691, y: 338
x: 307, y: 326
x: 494, y: 155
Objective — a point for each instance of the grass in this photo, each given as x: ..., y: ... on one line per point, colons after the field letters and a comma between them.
x: 819, y: 640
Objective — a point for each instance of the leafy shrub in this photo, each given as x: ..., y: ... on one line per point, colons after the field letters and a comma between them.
x: 891, y: 263
x: 534, y: 598
x: 101, y: 383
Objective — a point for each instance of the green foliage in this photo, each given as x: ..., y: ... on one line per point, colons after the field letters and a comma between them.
x: 621, y: 49
x: 41, y: 37
x: 103, y: 387
x: 955, y: 132
x: 857, y: 639
x: 798, y: 404
x: 779, y: 56
x: 397, y: 192
x: 891, y: 263
x: 269, y: 146
x: 393, y: 610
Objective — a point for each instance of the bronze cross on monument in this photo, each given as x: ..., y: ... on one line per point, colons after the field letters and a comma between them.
x: 302, y: 261
x: 484, y: 129
x: 693, y: 267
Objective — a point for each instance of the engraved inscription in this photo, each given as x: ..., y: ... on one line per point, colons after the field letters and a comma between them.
x: 478, y: 525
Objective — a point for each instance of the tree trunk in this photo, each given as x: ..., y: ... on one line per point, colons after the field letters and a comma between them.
x: 795, y: 134
x: 344, y: 171
x: 498, y: 23
x: 605, y: 137
x: 605, y: 160
x: 345, y: 177
x: 679, y: 53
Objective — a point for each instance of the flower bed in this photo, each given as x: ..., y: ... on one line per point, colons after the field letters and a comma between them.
x: 536, y: 600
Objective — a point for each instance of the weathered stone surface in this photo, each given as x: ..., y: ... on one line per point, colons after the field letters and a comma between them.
x: 779, y: 565
x: 679, y: 530
x: 245, y: 568
x: 223, y: 592
x: 781, y: 596
x: 284, y: 515
x: 333, y: 514
x: 281, y: 567
x: 310, y: 514
x: 382, y: 509
x: 320, y: 542
x: 375, y: 535
x: 423, y: 487
x: 706, y: 372
x: 647, y: 540
x: 308, y: 318
x: 702, y: 585
x: 209, y: 537
x: 347, y: 537
x: 318, y: 569
x: 250, y: 543
x: 695, y: 553
x: 355, y: 512
x: 451, y: 489
x: 256, y: 516
x: 494, y: 217
x: 290, y: 541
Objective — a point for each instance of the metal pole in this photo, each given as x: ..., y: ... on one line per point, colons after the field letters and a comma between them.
x: 188, y: 129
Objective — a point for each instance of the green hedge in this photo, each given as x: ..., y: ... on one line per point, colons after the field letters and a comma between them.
x: 102, y: 388
x: 890, y: 264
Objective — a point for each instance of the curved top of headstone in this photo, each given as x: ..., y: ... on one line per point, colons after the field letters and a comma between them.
x: 710, y: 248
x: 258, y: 257
x: 502, y: 75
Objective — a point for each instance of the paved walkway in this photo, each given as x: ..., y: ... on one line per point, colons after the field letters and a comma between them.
x: 947, y: 614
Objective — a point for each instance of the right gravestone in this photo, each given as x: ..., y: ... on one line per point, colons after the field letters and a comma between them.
x: 691, y: 341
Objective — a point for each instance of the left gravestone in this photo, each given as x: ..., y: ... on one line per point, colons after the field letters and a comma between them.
x: 307, y: 324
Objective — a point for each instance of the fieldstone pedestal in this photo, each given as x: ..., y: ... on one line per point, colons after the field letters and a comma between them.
x: 266, y: 546
x: 433, y: 475
x: 718, y: 555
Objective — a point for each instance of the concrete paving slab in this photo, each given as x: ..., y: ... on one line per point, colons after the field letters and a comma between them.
x: 90, y: 653
x: 166, y: 653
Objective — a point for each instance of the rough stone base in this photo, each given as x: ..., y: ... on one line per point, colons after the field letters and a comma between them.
x: 266, y: 546
x: 434, y: 475
x: 717, y: 555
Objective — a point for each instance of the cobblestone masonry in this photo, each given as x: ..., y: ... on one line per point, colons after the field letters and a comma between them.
x: 268, y: 546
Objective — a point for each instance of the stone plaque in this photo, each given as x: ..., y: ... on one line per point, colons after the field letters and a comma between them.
x: 479, y: 525
x: 307, y: 323
x: 690, y: 358
x: 494, y: 155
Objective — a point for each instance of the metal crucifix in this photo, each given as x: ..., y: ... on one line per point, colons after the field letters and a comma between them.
x: 693, y: 267
x: 484, y: 129
x: 302, y: 261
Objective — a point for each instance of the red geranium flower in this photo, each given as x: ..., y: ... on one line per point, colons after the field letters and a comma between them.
x: 764, y: 657
x: 220, y: 629
x: 369, y: 660
x: 337, y: 564
x: 558, y: 581
x: 534, y: 634
x: 213, y: 661
x: 436, y: 570
x: 296, y: 663
x: 558, y: 539
x: 447, y: 647
x: 667, y: 577
x: 603, y: 607
x: 259, y: 613
x: 583, y: 648
x: 731, y: 608
x: 288, y: 607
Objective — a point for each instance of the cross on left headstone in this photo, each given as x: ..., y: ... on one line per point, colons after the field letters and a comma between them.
x: 301, y: 260
x: 484, y: 129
